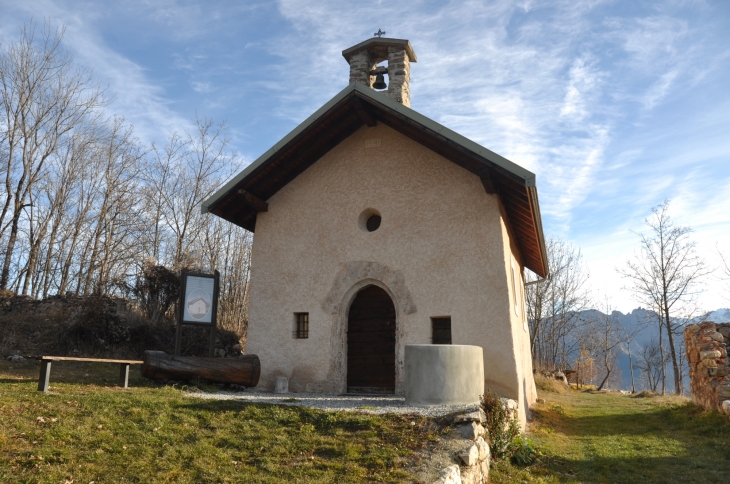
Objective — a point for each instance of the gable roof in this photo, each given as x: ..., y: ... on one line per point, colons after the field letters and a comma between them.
x: 239, y: 200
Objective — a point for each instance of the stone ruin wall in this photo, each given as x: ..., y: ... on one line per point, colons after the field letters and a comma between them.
x: 709, y: 369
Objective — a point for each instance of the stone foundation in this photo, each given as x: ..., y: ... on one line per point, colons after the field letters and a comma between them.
x: 475, y: 456
x: 709, y: 371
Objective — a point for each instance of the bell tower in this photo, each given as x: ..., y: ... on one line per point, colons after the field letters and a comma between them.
x: 365, y: 57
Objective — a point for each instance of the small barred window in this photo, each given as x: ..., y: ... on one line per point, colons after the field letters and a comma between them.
x: 302, y: 325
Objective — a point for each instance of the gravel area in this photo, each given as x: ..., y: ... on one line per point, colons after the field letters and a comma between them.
x: 377, y: 404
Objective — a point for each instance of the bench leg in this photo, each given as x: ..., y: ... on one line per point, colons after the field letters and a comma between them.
x: 124, y: 375
x: 45, y: 376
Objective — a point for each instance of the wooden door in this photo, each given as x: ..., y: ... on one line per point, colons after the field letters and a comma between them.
x: 371, y: 342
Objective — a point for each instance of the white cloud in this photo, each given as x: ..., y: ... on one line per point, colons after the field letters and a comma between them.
x: 201, y: 87
x: 141, y: 101
x: 583, y: 81
x: 659, y: 89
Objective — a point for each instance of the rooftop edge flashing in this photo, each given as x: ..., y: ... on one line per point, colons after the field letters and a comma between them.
x: 378, y: 40
x: 270, y: 152
x: 526, y: 176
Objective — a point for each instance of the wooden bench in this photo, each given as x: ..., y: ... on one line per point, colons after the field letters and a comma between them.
x: 45, y: 375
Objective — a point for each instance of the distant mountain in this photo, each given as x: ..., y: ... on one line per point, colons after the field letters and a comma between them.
x: 719, y: 316
x: 648, y: 319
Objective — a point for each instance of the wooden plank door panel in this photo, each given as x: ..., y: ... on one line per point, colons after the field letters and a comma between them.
x: 371, y: 342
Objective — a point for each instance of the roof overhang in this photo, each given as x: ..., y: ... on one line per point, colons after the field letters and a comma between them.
x: 239, y: 200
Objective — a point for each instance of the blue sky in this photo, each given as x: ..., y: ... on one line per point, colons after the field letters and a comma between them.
x: 615, y: 105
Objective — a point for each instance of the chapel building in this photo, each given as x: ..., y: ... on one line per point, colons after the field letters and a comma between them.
x: 376, y: 227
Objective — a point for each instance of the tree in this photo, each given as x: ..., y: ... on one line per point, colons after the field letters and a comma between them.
x: 43, y: 97
x: 86, y: 209
x: 628, y: 337
x: 554, y: 305
x: 665, y: 275
x: 603, y: 337
x: 650, y: 363
x: 725, y: 269
x: 585, y: 368
x: 190, y: 170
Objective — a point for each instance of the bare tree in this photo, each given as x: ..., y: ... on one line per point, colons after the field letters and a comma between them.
x: 115, y: 218
x: 725, y: 270
x: 42, y: 98
x: 603, y: 336
x: 84, y: 208
x: 666, y: 276
x: 193, y: 171
x: 63, y: 185
x: 585, y: 368
x: 628, y: 337
x: 554, y: 305
x: 228, y: 249
x: 650, y: 362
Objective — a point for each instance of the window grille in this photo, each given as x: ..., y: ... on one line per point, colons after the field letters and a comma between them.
x: 302, y: 325
x: 441, y: 331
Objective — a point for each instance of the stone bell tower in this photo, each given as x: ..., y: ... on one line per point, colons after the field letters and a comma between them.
x: 365, y: 57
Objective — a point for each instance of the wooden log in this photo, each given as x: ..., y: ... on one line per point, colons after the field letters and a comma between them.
x: 244, y: 370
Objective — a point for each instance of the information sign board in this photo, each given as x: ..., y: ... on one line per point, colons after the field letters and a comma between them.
x: 198, y: 304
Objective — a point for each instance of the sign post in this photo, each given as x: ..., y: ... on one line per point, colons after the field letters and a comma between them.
x: 198, y: 304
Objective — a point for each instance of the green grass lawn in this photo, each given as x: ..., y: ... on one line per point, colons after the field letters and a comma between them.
x: 85, y: 432
x: 600, y: 437
x: 88, y: 430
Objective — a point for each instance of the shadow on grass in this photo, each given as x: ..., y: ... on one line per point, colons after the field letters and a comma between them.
x: 661, y: 421
x: 681, y: 468
x: 76, y: 377
x: 19, y: 380
x: 286, y: 415
x: 676, y: 442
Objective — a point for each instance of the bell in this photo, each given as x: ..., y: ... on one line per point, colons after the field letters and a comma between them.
x: 379, y: 82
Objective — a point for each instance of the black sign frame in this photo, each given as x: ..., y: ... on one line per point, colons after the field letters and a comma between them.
x: 181, y: 309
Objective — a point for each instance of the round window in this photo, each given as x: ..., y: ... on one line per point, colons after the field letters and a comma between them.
x: 373, y: 223
x: 369, y: 220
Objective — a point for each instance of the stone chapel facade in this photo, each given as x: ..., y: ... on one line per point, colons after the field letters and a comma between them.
x: 376, y: 227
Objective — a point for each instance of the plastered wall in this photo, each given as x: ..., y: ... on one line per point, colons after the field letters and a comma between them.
x: 443, y: 249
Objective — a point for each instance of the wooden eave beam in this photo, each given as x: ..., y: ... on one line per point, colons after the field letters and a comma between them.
x: 340, y: 110
x: 487, y: 178
x: 253, y: 201
x: 306, y: 157
x: 365, y: 114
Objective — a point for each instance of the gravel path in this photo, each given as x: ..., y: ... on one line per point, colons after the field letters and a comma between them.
x: 376, y: 404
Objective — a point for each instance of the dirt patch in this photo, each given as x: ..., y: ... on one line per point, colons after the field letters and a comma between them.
x: 647, y: 394
x: 550, y: 384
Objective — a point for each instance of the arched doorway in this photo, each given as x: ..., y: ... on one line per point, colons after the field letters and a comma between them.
x: 371, y: 342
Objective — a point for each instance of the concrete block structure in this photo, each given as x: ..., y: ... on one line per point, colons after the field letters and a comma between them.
x: 440, y: 374
x: 376, y: 227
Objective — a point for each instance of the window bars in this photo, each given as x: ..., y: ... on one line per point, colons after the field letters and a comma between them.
x: 302, y: 325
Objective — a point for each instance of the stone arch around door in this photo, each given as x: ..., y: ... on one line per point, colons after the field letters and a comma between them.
x: 349, y: 281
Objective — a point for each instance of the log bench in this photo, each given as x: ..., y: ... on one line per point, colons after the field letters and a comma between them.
x: 45, y: 375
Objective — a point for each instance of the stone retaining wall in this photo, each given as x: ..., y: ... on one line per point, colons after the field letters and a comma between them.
x: 474, y: 457
x: 709, y: 371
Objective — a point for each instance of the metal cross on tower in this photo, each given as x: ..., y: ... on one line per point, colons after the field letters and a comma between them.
x: 379, y: 34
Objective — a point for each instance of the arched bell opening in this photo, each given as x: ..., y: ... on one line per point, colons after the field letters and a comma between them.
x: 371, y: 324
